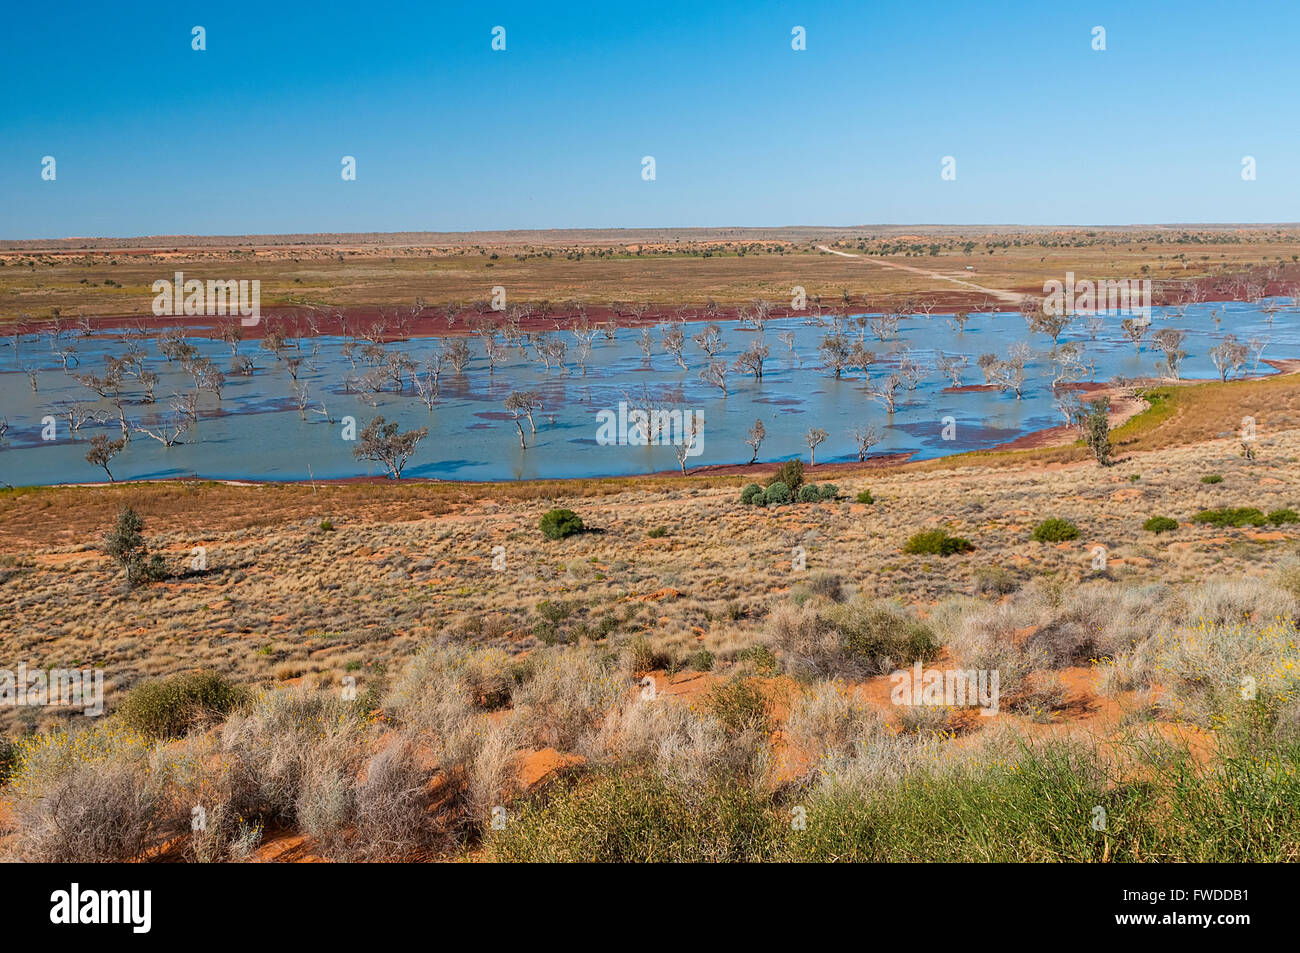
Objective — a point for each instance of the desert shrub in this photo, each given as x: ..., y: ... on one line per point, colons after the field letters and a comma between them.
x: 1278, y: 517
x: 1212, y: 478
x: 1287, y: 578
x: 829, y: 491
x: 925, y: 720
x: 554, y: 611
x: 740, y: 705
x: 327, y: 526
x: 95, y: 795
x: 777, y: 494
x: 8, y: 760
x: 1239, y: 516
x: 701, y: 660
x: 1201, y: 669
x: 809, y: 493
x: 880, y: 636
x: 170, y: 707
x: 1042, y: 694
x: 937, y: 542
x: 659, y: 532
x: 864, y: 496
x: 828, y: 585
x: 224, y: 837
x: 857, y: 638
x: 288, y: 755
x: 790, y: 473
x: 568, y: 693
x: 1055, y: 530
x: 386, y: 816
x: 994, y: 580
x: 759, y: 657
x: 750, y: 491
x: 1160, y: 524
x: 641, y: 655
x: 559, y: 523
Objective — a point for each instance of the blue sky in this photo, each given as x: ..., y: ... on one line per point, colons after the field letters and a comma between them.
x: 151, y: 137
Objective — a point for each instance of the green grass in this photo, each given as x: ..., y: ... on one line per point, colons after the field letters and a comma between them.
x: 1041, y: 804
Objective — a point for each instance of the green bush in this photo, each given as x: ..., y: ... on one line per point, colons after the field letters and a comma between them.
x: 1160, y: 524
x: 170, y: 707
x: 777, y: 494
x: 808, y: 493
x: 1211, y: 478
x: 659, y: 532
x: 326, y: 526
x: 829, y: 491
x: 937, y: 542
x: 1055, y: 530
x: 751, y: 491
x: 791, y: 474
x: 557, y: 524
x: 1240, y: 516
x: 759, y: 656
x: 870, y: 632
x: 865, y: 497
x: 701, y: 660
x: 1278, y: 517
x: 8, y: 760
x: 740, y: 705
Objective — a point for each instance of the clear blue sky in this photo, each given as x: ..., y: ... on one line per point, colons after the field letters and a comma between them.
x: 247, y: 137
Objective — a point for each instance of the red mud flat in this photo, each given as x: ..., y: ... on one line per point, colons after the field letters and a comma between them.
x: 1065, y: 435
x: 402, y: 325
x: 809, y: 471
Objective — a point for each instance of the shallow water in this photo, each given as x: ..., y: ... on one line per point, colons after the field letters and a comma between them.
x: 256, y: 432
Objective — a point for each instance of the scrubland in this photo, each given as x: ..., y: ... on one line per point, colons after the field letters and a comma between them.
x: 416, y: 673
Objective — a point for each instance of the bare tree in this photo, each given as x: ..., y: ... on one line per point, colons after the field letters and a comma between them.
x: 102, y: 451
x: 865, y: 436
x: 1094, y: 324
x: 757, y: 434
x: 884, y: 326
x: 815, y: 437
x: 646, y: 345
x: 715, y: 373
x: 426, y: 383
x: 1170, y: 343
x: 526, y: 403
x: 709, y: 340
x: 951, y: 366
x: 683, y: 449
x: 752, y: 358
x: 300, y: 398
x: 1010, y: 374
x: 1052, y: 323
x: 958, y: 321
x: 1135, y: 329
x: 458, y: 355
x: 381, y: 442
x: 886, y: 391
x: 673, y: 339
x: 1229, y: 355
x: 835, y: 352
